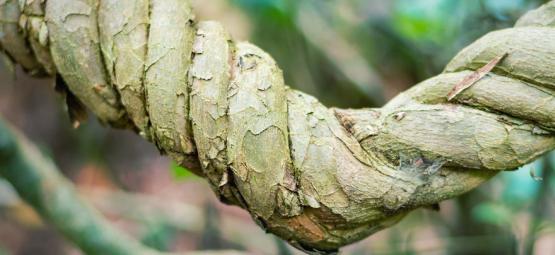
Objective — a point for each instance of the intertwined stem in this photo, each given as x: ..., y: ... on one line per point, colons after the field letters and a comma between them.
x: 319, y: 178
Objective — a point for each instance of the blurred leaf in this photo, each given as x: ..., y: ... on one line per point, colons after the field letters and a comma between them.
x: 428, y: 20
x: 180, y: 173
x: 500, y: 8
x: 159, y: 236
x: 278, y: 11
x: 277, y: 4
x: 493, y: 213
x: 519, y: 188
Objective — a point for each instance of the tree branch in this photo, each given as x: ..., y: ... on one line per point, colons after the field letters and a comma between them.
x: 39, y: 183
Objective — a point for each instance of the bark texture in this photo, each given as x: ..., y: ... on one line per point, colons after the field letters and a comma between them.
x: 319, y: 178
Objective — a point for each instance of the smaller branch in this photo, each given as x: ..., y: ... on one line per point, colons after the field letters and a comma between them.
x: 187, y: 218
x: 38, y: 182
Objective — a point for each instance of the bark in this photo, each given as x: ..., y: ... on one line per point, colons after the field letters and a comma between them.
x: 319, y: 178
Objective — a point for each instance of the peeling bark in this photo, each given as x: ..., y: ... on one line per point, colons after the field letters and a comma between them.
x: 319, y: 178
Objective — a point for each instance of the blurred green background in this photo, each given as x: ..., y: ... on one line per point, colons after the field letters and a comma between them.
x: 348, y: 53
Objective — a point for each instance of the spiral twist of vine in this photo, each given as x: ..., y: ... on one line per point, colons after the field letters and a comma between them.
x: 319, y: 178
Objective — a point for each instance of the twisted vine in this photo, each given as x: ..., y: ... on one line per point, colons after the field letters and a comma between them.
x: 319, y: 178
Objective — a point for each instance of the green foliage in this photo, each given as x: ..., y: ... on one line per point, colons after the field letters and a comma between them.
x: 442, y: 21
x: 180, y: 173
x: 276, y: 11
x: 425, y: 20
x: 493, y: 213
x: 519, y: 190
